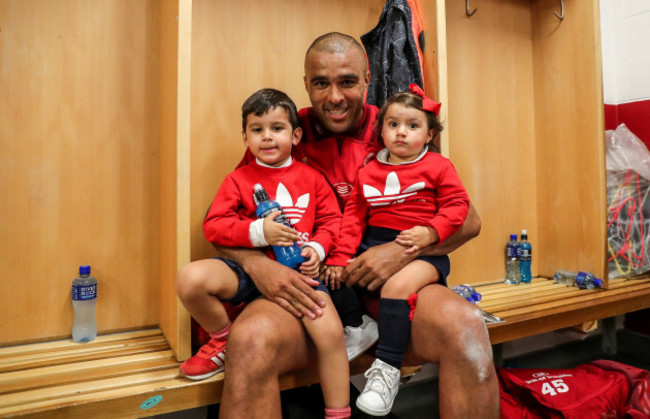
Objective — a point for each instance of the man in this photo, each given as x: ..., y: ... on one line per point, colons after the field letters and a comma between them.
x: 267, y: 339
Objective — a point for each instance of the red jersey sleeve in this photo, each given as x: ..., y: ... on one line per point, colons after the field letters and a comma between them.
x: 223, y: 225
x: 452, y: 202
x: 327, y: 219
x: 353, y: 225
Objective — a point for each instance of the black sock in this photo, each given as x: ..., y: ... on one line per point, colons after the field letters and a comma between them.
x: 394, y: 330
x: 347, y: 305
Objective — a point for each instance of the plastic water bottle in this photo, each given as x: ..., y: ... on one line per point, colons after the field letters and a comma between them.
x: 287, y: 255
x: 525, y: 257
x: 84, y: 298
x: 513, y: 276
x: 468, y: 292
x: 581, y: 279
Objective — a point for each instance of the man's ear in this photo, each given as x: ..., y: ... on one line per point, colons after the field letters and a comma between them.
x: 297, y: 136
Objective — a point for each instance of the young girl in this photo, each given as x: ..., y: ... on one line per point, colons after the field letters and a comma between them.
x: 416, y: 198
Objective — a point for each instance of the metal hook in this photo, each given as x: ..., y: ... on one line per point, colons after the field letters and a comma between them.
x: 467, y: 12
x: 561, y: 15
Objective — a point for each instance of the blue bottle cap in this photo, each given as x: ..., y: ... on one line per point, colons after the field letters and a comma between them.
x: 84, y: 270
x: 477, y: 296
x: 513, y: 237
x: 598, y: 282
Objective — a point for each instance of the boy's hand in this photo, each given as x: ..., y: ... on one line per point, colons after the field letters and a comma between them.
x: 277, y: 234
x: 417, y: 238
x: 311, y: 266
x: 333, y: 276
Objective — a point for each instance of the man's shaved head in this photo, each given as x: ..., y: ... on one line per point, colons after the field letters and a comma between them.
x: 336, y: 42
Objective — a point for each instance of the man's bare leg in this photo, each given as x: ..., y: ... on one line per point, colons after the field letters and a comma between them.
x: 265, y: 342
x: 451, y: 332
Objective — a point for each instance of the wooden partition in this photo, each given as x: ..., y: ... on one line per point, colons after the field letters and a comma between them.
x: 526, y: 132
x: 119, y: 121
x: 79, y: 87
x: 238, y: 48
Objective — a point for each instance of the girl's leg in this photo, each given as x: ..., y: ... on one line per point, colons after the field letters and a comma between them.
x: 394, y: 331
x: 394, y: 309
x: 327, y: 334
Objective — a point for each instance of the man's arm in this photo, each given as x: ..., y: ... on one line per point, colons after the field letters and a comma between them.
x: 470, y: 228
x: 280, y: 284
x: 373, y: 267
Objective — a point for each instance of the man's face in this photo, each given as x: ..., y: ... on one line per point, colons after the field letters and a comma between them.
x: 336, y: 84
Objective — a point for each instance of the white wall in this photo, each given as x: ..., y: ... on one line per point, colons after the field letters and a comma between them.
x: 625, y: 26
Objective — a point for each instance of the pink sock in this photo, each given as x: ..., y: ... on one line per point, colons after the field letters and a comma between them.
x: 338, y: 413
x: 221, y: 334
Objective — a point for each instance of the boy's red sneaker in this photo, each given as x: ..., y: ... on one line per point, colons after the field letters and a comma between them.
x: 209, y: 361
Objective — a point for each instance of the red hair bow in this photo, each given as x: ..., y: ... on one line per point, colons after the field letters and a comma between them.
x: 427, y: 104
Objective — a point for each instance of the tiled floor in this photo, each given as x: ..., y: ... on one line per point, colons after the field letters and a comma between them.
x: 419, y: 397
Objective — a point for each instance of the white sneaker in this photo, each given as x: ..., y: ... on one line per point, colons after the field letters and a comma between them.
x: 359, y: 339
x: 378, y: 395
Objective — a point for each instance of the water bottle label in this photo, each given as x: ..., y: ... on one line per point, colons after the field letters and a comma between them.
x: 84, y: 292
x: 509, y: 251
x: 581, y: 278
x: 282, y: 219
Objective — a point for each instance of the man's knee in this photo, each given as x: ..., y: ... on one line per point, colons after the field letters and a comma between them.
x: 260, y: 337
x: 445, y: 324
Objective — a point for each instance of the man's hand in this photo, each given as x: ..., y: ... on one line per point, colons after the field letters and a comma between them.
x: 311, y: 265
x: 375, y: 266
x: 278, y: 283
x: 277, y: 234
x: 417, y: 238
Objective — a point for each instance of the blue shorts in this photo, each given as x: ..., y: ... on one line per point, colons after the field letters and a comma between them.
x: 247, y: 290
x: 375, y: 236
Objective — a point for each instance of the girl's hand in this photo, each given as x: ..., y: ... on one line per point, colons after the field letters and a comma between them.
x: 311, y: 266
x: 417, y: 238
x: 277, y: 234
x: 334, y: 276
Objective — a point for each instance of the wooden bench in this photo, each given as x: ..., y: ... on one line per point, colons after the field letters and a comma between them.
x: 543, y: 305
x: 135, y: 374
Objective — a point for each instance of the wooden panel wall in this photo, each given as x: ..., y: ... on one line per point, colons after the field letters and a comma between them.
x: 78, y: 172
x: 526, y: 132
x: 238, y: 48
x: 491, y: 128
x: 570, y: 137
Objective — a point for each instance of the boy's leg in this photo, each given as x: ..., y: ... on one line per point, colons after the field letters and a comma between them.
x: 327, y: 334
x: 200, y: 286
x: 265, y: 342
x: 359, y: 329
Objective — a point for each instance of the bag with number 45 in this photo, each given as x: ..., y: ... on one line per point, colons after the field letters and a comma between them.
x: 582, y: 392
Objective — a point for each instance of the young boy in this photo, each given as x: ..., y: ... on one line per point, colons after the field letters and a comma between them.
x: 270, y: 129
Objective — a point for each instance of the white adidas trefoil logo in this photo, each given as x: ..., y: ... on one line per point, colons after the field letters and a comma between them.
x: 392, y: 192
x: 293, y: 211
